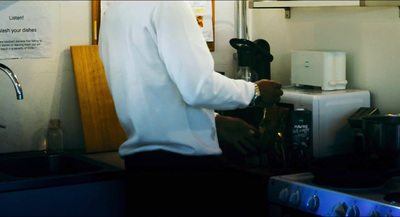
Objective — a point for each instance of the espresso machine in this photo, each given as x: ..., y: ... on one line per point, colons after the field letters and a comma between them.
x: 254, y: 56
x: 254, y: 63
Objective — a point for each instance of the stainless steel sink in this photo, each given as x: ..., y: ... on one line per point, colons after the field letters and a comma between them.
x: 41, y: 165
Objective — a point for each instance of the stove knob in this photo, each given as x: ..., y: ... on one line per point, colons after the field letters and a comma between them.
x: 374, y: 214
x: 353, y: 212
x: 295, y: 198
x: 313, y: 203
x: 284, y: 195
x: 339, y: 210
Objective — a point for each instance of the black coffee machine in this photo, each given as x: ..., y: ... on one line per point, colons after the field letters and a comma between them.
x: 255, y: 57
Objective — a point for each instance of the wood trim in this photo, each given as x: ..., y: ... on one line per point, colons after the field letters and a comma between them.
x: 96, y: 7
x: 211, y: 45
x: 95, y: 21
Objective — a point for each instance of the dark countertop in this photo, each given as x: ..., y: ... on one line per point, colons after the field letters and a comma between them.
x: 11, y: 181
x: 268, y: 172
x: 111, y: 167
x: 113, y: 158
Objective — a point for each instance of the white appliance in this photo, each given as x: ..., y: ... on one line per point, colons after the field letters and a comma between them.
x: 325, y: 69
x: 331, y: 133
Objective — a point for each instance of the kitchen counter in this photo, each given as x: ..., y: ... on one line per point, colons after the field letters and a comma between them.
x: 98, y: 191
x: 67, y: 184
x: 111, y: 158
x: 252, y: 188
x: 114, y: 159
x: 266, y: 172
x: 11, y: 179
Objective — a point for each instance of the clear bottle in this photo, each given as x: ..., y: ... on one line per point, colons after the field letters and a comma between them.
x: 246, y: 73
x: 54, y: 137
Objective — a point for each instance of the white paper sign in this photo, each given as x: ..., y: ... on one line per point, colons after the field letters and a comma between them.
x: 25, y: 30
x: 203, y: 12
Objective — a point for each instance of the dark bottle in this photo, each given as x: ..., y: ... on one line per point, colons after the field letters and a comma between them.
x: 272, y: 129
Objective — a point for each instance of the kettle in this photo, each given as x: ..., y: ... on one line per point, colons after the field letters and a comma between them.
x: 382, y: 136
x: 377, y: 136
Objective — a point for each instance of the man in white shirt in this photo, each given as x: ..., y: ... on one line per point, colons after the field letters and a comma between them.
x: 162, y: 79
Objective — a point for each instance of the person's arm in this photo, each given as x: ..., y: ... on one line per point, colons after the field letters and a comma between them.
x: 236, y: 132
x: 190, y: 64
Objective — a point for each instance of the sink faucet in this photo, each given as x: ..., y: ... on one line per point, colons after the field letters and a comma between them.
x: 14, y: 79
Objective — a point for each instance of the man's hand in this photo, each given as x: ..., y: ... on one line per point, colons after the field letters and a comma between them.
x: 270, y: 90
x: 237, y: 132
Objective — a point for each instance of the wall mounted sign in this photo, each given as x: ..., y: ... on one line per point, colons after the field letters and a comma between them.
x: 204, y: 16
x: 204, y: 11
x: 25, y: 30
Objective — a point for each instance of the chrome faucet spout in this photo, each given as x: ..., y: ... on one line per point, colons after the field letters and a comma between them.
x: 14, y: 79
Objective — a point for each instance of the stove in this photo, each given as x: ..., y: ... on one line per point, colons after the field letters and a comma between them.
x: 299, y: 192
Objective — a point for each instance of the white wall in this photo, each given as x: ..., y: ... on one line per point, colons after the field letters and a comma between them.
x: 225, y: 29
x: 49, y: 84
x: 370, y: 36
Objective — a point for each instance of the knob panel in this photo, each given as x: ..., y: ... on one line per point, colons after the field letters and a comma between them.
x: 313, y: 203
x: 295, y: 198
x: 284, y: 195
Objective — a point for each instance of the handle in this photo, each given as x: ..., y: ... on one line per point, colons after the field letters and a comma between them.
x: 239, y: 43
x: 337, y: 82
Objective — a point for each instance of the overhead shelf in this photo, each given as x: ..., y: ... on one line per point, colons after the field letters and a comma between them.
x: 283, y: 4
x: 265, y: 4
x: 280, y: 4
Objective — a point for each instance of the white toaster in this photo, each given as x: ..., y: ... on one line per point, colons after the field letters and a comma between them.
x: 325, y: 69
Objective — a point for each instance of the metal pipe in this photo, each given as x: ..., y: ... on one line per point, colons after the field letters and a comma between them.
x: 238, y: 33
x: 241, y: 7
x: 244, y: 19
x: 14, y: 79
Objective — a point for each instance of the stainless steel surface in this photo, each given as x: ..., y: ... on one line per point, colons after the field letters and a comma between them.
x: 298, y: 191
x: 14, y: 79
x: 241, y: 9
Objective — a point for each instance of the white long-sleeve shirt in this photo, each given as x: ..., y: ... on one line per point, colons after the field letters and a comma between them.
x: 162, y: 79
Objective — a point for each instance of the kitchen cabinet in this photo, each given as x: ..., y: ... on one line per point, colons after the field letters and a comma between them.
x: 287, y: 5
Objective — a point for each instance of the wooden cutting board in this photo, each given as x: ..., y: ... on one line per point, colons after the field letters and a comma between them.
x: 101, y: 128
